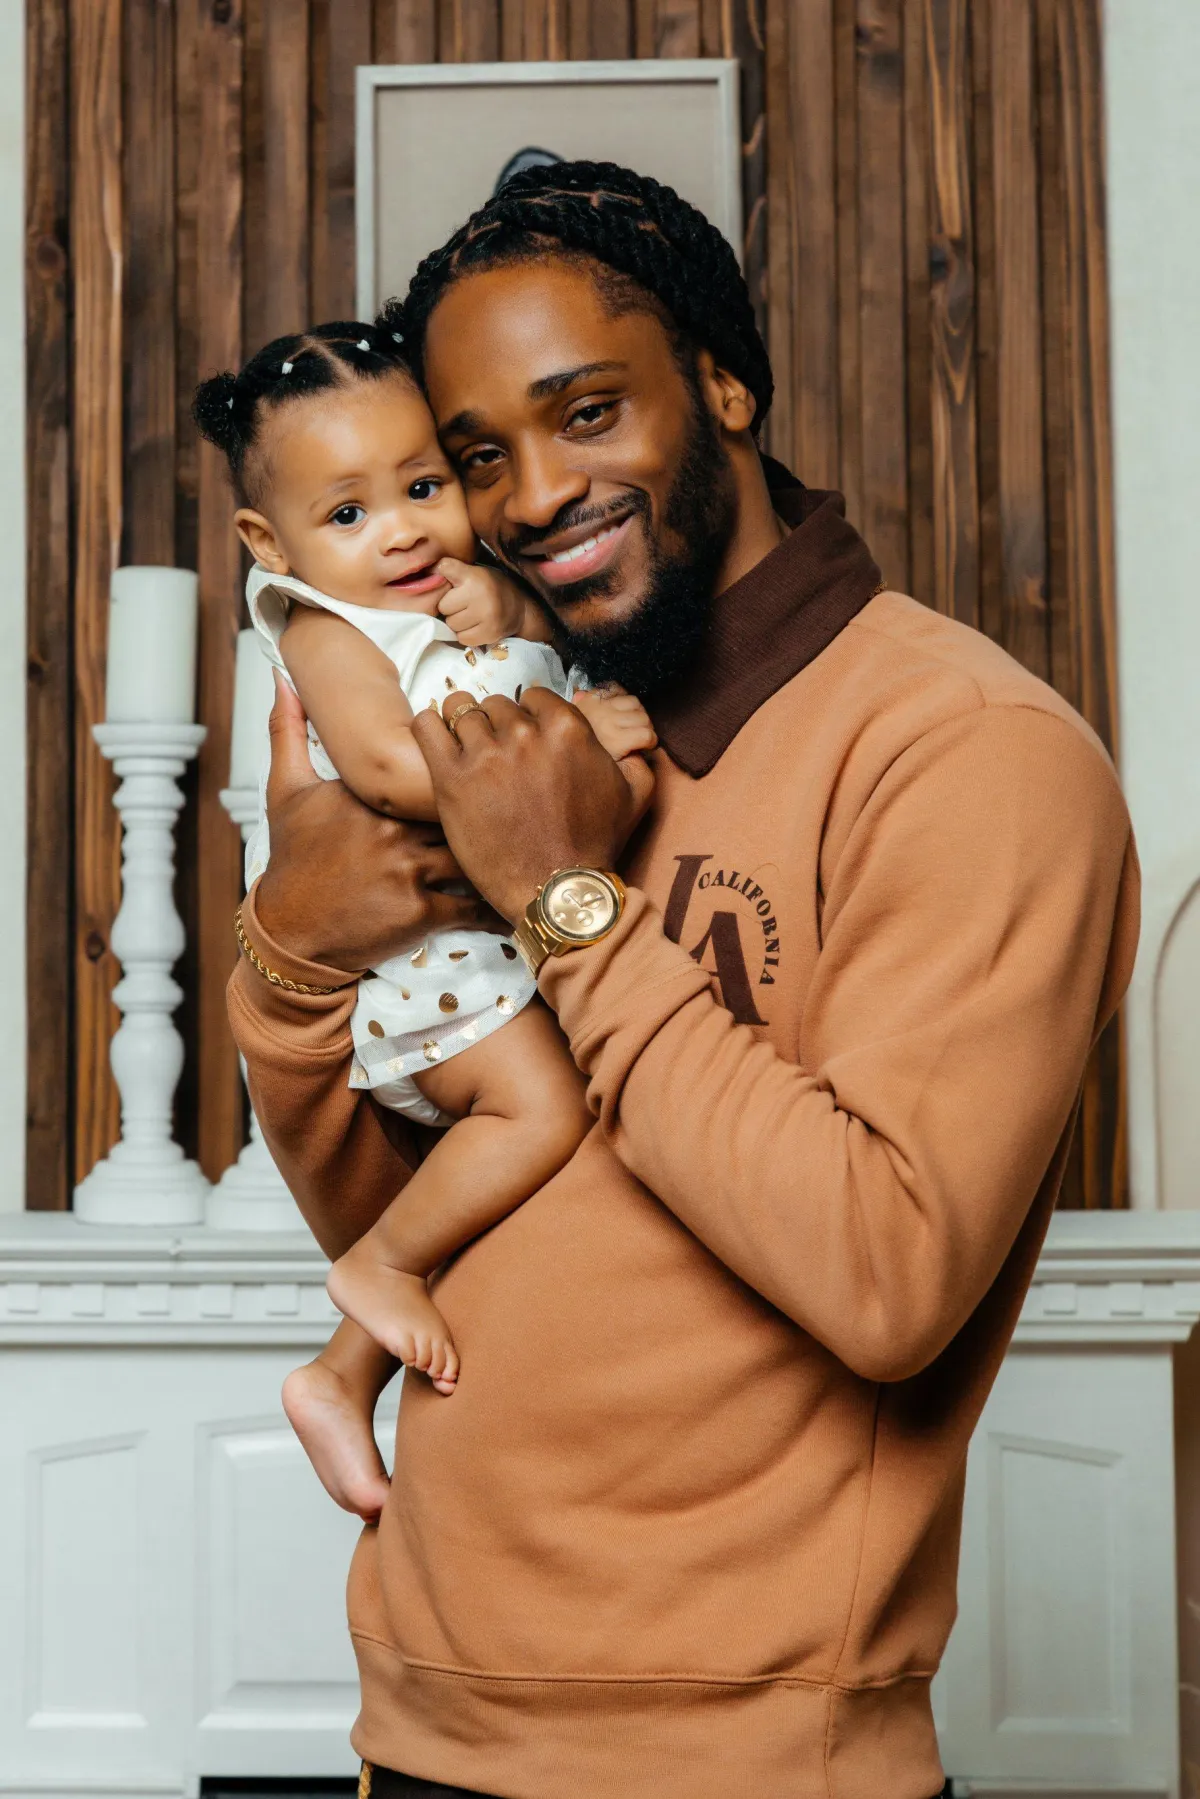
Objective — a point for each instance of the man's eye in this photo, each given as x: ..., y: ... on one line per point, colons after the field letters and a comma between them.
x: 350, y: 514
x: 425, y: 488
x: 482, y: 458
x: 590, y: 414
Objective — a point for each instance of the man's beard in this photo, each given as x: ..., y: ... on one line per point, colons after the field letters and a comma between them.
x: 658, y: 643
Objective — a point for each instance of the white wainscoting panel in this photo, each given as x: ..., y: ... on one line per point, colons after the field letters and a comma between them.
x: 172, y: 1575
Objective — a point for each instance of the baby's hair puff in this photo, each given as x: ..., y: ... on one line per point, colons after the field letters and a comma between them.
x: 229, y: 409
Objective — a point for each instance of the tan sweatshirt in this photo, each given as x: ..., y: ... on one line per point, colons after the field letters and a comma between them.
x: 689, y: 1527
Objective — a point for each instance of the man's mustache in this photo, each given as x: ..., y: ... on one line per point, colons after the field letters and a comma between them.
x: 526, y: 541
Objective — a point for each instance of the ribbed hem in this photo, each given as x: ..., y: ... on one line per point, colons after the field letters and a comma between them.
x: 521, y: 1738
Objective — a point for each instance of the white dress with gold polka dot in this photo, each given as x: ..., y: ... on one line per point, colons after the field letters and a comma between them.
x: 458, y: 986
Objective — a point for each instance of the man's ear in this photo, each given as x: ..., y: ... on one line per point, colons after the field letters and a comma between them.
x: 727, y: 398
x: 258, y: 535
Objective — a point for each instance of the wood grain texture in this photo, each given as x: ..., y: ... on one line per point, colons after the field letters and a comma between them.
x: 148, y: 87
x: 849, y: 344
x: 880, y: 156
x: 49, y: 829
x: 469, y: 31
x: 219, y: 343
x: 404, y: 30
x: 283, y: 245
x: 97, y: 240
x: 746, y: 41
x: 1015, y: 291
x: 952, y: 291
x: 341, y: 40
x: 803, y: 254
x: 917, y: 279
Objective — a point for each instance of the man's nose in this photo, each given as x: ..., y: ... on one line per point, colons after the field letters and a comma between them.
x: 543, y: 482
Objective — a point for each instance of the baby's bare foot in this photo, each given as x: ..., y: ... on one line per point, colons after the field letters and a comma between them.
x: 337, y: 1437
x: 395, y: 1309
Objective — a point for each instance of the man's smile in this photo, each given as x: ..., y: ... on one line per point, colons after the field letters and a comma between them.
x: 575, y: 555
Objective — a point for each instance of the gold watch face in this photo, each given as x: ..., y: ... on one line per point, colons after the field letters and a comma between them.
x: 580, y: 904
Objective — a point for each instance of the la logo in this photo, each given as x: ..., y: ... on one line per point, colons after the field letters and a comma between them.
x: 722, y: 936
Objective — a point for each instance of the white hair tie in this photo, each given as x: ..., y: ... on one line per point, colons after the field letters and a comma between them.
x: 285, y: 368
x: 362, y: 344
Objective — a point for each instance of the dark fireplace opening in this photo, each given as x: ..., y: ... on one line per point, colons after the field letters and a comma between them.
x: 300, y: 1786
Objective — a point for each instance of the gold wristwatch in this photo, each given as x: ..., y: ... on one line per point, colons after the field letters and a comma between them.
x: 577, y: 906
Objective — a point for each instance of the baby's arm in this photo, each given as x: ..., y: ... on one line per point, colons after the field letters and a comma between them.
x: 482, y: 605
x: 352, y: 694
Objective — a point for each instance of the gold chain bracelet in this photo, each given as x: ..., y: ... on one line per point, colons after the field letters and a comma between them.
x: 277, y: 980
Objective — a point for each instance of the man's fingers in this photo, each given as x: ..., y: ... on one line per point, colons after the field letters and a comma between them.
x: 438, y: 866
x: 436, y: 742
x: 291, y: 768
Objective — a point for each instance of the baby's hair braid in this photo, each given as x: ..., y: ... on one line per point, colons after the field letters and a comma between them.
x: 629, y: 223
x: 228, y: 409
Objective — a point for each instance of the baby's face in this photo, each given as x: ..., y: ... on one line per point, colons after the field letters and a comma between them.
x: 361, y: 502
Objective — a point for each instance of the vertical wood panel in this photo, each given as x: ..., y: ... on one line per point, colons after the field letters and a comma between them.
x: 917, y: 276
x: 884, y: 500
x: 341, y: 40
x: 745, y: 40
x: 149, y: 164
x: 469, y: 31
x: 845, y: 87
x: 804, y: 292
x: 1024, y: 628
x: 219, y: 327
x: 49, y: 829
x: 284, y: 245
x: 955, y: 494
x: 611, y: 30
x: 97, y: 253
x: 404, y: 30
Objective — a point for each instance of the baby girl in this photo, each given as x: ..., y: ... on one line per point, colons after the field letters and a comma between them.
x: 367, y: 599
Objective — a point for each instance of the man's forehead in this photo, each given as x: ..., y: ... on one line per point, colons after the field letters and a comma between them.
x: 522, y: 333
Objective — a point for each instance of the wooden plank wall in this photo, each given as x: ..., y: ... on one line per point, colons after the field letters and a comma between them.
x: 925, y: 246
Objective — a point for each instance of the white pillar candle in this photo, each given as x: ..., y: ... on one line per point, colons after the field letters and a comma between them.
x: 253, y: 697
x: 152, y: 646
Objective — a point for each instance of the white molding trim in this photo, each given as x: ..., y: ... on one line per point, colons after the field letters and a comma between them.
x: 721, y: 72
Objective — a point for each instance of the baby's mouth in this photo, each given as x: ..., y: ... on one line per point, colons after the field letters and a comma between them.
x: 417, y: 580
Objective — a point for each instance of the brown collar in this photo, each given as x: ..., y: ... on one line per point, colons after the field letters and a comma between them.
x: 770, y: 624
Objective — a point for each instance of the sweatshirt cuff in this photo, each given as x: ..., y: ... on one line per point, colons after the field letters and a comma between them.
x: 280, y: 1001
x: 635, y: 977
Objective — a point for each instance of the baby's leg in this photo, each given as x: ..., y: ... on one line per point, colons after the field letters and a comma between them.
x: 330, y: 1404
x: 521, y: 1115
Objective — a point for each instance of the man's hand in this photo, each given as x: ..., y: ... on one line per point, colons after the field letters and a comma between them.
x: 346, y: 886
x: 525, y: 789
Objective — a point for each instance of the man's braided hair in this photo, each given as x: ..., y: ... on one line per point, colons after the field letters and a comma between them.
x: 629, y: 223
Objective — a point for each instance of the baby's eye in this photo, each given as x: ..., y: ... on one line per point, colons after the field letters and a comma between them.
x: 425, y: 488
x: 350, y: 514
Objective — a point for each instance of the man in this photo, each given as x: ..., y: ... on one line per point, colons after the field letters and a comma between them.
x: 689, y: 1526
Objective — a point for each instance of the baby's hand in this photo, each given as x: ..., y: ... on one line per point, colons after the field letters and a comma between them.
x: 480, y: 605
x: 618, y: 718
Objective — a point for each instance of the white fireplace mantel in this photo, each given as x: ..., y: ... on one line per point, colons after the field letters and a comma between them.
x: 172, y: 1576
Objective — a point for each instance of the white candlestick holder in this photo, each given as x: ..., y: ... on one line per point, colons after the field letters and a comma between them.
x: 251, y: 1194
x: 146, y: 1179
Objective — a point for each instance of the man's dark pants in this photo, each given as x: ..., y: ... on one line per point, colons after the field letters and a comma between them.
x: 385, y: 1785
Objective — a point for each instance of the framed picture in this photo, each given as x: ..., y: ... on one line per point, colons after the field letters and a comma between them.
x: 435, y: 140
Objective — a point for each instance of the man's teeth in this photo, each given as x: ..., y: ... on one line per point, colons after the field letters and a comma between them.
x: 581, y: 549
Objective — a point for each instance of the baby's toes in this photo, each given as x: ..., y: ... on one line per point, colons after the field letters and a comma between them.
x: 423, y: 1355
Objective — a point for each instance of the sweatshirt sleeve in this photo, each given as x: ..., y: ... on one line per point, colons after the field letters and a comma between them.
x: 343, y: 1158
x: 978, y: 930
